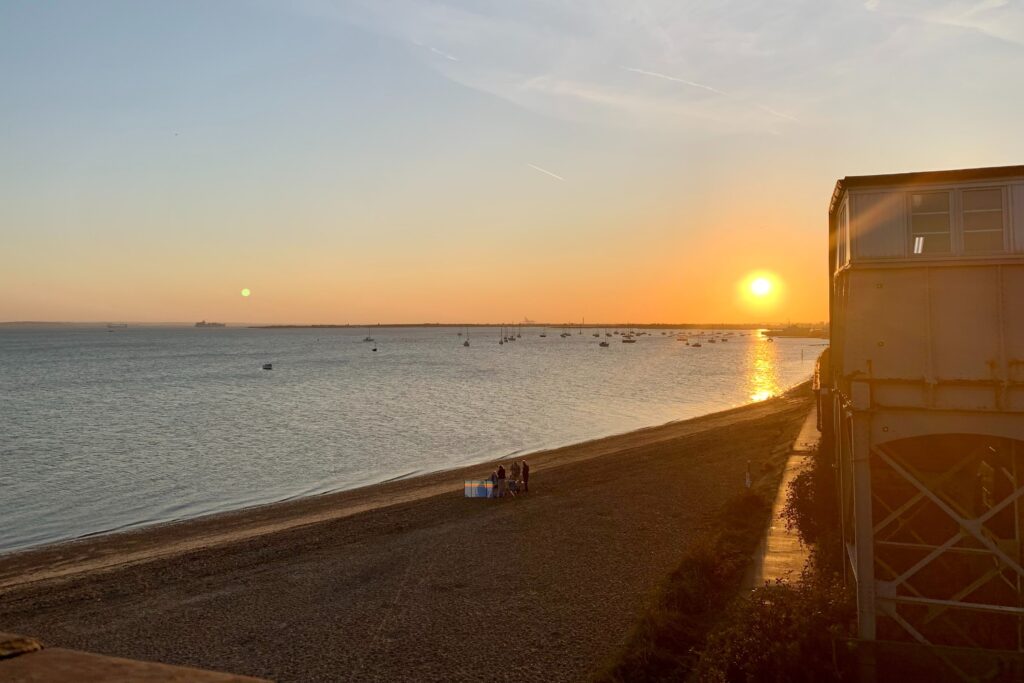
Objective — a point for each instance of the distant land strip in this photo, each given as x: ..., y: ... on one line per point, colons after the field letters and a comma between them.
x: 575, y: 326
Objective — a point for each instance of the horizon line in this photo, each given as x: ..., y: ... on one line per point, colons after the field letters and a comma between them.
x: 419, y: 324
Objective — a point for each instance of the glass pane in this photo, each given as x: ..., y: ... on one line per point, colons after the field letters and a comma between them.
x: 930, y: 201
x: 938, y: 222
x: 985, y: 220
x: 983, y: 199
x: 937, y: 244
x: 976, y: 242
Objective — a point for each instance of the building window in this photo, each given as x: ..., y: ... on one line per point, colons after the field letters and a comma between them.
x: 983, y: 220
x: 929, y: 223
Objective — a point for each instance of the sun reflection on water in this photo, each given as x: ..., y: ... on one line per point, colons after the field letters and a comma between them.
x: 762, y: 370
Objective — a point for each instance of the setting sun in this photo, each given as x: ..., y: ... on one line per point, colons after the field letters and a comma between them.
x: 760, y: 290
x: 761, y: 286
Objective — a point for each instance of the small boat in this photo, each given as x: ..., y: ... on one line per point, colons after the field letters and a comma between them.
x: 604, y: 344
x: 695, y: 345
x: 367, y: 338
x: 268, y: 366
x: 628, y: 340
x: 465, y: 343
x: 596, y: 334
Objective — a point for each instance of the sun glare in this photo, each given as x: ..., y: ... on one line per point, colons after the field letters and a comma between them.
x: 246, y: 292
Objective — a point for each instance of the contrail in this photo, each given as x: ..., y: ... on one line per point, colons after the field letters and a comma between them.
x: 666, y: 77
x: 693, y: 84
x: 777, y: 113
x: 443, y: 54
x: 546, y: 172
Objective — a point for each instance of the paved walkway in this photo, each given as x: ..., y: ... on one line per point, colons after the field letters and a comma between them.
x: 780, y: 554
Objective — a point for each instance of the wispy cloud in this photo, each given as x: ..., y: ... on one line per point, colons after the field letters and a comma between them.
x: 999, y: 19
x: 674, y: 79
x: 740, y: 67
x: 546, y: 172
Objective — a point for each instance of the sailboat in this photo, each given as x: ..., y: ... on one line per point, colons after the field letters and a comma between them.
x: 367, y: 338
x: 466, y: 343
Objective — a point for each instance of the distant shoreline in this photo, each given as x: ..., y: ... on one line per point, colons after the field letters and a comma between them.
x: 574, y: 326
x: 588, y: 326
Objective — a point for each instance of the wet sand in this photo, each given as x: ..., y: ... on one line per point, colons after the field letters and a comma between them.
x: 408, y: 579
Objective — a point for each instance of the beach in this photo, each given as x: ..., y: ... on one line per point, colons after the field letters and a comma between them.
x: 408, y: 579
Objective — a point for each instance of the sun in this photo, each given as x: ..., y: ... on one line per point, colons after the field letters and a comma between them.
x: 761, y: 286
x: 246, y: 292
x: 760, y: 290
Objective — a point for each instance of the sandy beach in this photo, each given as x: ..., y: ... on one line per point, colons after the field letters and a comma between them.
x: 408, y: 579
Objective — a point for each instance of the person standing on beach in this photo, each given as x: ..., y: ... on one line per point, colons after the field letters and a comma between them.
x: 501, y: 481
x: 515, y: 471
x: 494, y: 484
x: 526, y: 477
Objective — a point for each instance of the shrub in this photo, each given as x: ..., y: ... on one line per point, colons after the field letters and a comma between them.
x: 782, y: 632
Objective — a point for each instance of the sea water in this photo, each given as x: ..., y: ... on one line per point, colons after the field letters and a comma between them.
x: 102, y: 430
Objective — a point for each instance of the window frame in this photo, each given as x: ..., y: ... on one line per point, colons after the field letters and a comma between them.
x: 949, y: 213
x: 957, y: 222
x: 1003, y: 215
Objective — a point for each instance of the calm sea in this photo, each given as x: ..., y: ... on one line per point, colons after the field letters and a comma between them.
x: 101, y: 431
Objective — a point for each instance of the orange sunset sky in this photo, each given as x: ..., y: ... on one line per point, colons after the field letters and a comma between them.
x: 456, y: 162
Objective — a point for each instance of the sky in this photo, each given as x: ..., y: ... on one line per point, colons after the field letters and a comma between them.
x: 420, y: 161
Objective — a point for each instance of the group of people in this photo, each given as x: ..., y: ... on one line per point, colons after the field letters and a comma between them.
x: 509, y: 483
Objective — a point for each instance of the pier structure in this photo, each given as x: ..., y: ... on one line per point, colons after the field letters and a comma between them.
x: 922, y: 404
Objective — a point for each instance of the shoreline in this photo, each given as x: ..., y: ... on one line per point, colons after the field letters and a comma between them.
x: 296, y: 497
x: 104, y: 550
x: 360, y: 584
